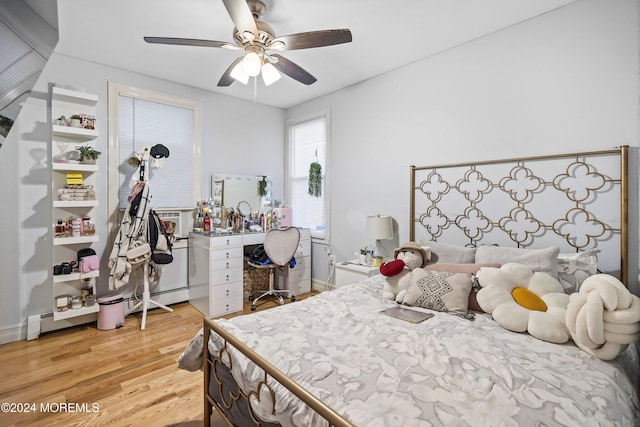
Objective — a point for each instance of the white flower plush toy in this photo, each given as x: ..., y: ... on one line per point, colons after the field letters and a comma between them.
x: 523, y: 301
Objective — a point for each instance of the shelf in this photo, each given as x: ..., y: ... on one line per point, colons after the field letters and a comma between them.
x: 57, y: 241
x: 80, y: 134
x: 68, y: 102
x: 74, y: 167
x: 75, y: 203
x: 61, y: 278
x: 74, y: 96
x: 75, y: 312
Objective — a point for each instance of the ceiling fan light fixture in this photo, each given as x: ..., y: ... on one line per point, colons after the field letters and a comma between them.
x: 269, y: 74
x: 239, y: 75
x: 251, y: 64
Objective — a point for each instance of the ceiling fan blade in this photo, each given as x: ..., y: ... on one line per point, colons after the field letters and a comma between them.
x: 293, y: 70
x: 187, y: 42
x: 226, y: 78
x: 241, y: 16
x: 314, y: 39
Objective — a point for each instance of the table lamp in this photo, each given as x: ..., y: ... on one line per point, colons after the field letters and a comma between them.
x: 379, y: 227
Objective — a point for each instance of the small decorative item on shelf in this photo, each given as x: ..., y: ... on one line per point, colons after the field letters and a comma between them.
x: 75, y: 121
x: 87, y: 121
x: 75, y: 302
x: 62, y: 303
x: 88, y: 154
x: 74, y: 178
x: 76, y: 192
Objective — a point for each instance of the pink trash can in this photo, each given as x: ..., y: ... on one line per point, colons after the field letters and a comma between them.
x: 111, y: 313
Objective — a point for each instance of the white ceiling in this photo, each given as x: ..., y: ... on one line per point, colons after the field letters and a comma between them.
x: 386, y: 35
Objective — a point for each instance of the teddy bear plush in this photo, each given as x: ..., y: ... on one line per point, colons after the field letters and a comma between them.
x: 398, y: 272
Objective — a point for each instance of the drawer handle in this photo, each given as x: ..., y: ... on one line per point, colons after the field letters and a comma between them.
x: 227, y: 292
x: 227, y: 255
x: 227, y: 277
x: 227, y: 265
x: 228, y: 242
x: 227, y: 307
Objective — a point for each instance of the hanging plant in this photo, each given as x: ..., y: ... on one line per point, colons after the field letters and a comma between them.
x: 262, y: 186
x: 315, y: 179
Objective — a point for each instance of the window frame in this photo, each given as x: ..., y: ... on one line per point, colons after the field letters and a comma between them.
x: 292, y: 121
x: 116, y: 90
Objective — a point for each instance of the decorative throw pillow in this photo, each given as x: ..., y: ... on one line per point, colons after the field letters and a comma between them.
x: 438, y: 290
x: 521, y: 300
x: 542, y: 260
x: 465, y: 269
x: 445, y: 253
x: 575, y: 268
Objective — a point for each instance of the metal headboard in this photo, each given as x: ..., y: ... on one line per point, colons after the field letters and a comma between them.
x: 576, y: 201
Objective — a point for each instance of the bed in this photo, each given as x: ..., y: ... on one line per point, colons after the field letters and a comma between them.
x: 334, y: 359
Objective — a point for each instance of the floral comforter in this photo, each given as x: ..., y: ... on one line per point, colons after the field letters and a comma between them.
x: 376, y: 370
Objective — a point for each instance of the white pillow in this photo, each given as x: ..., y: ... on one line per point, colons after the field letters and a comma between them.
x: 574, y: 268
x: 543, y: 260
x: 450, y: 254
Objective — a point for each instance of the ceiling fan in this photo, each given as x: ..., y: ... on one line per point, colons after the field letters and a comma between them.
x: 256, y: 38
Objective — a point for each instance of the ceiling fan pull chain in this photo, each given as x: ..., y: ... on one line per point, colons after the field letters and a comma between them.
x: 255, y: 90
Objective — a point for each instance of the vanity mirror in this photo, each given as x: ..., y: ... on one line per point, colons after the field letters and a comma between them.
x: 229, y: 190
x: 244, y: 208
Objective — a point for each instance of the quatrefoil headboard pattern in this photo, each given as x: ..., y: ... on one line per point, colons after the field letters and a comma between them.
x: 576, y: 201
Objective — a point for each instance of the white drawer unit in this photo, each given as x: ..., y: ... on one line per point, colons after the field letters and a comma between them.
x: 297, y: 279
x: 216, y: 270
x: 215, y: 273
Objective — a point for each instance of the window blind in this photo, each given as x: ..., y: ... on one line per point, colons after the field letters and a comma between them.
x: 143, y: 122
x: 307, y: 144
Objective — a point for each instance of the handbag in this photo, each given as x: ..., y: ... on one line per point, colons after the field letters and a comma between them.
x: 138, y: 253
x: 89, y: 263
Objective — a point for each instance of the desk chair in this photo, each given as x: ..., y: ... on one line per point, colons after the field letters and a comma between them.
x: 280, y: 246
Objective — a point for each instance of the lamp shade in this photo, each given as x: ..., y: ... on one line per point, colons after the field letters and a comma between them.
x: 379, y: 227
x: 269, y: 74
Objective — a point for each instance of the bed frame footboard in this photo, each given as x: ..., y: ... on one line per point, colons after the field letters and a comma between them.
x: 222, y: 392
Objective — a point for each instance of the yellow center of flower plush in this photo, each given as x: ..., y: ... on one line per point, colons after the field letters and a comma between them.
x: 527, y: 299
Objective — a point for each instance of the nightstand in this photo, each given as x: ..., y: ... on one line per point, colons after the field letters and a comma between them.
x: 350, y: 272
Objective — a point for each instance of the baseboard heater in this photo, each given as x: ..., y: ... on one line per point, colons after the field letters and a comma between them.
x: 39, y: 323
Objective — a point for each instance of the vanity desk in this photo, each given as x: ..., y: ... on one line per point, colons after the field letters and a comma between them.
x: 216, y: 270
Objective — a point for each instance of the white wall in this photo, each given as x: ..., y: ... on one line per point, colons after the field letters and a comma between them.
x: 228, y: 145
x: 563, y: 82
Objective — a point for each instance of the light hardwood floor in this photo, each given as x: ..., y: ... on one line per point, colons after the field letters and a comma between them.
x: 120, y: 377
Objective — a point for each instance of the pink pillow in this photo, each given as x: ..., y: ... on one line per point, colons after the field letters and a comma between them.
x: 465, y: 269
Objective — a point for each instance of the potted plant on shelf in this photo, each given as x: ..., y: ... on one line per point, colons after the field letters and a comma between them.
x: 88, y: 154
x: 75, y: 121
x: 362, y: 258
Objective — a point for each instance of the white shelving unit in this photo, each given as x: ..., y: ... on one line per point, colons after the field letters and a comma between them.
x: 65, y: 102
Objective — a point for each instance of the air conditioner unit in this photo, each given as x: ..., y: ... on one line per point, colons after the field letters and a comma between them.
x: 172, y: 216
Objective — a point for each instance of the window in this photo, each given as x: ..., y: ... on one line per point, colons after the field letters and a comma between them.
x: 138, y: 117
x: 308, y: 144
